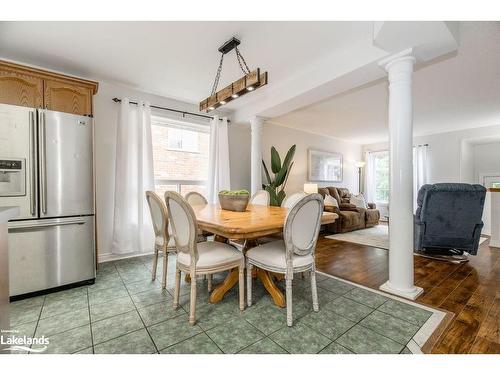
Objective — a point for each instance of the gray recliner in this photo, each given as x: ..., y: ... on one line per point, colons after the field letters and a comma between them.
x: 448, y: 218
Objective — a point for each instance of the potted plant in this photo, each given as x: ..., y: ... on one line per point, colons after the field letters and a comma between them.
x: 276, y: 186
x: 234, y: 200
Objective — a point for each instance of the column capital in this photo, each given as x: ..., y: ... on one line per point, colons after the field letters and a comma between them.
x: 256, y: 121
x: 406, y: 56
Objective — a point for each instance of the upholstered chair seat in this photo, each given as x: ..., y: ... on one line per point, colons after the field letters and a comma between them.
x: 273, y: 255
x: 212, y: 254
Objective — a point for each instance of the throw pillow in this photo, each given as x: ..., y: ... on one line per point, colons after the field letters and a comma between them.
x: 330, y: 201
x: 359, y: 201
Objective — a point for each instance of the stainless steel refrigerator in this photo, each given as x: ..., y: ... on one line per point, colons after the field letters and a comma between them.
x: 46, y: 168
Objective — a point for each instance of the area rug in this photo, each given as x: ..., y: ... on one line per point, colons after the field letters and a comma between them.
x: 377, y: 236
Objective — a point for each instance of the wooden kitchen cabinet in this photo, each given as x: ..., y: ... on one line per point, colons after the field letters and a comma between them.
x: 20, y: 88
x: 36, y: 88
x: 63, y: 96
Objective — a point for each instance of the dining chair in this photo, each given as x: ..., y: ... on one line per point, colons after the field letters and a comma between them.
x: 163, y: 242
x: 198, y: 258
x: 261, y: 198
x: 295, y: 253
x: 292, y: 200
x: 194, y: 198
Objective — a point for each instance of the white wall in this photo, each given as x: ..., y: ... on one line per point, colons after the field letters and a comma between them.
x: 105, y: 116
x: 486, y: 161
x: 283, y: 138
x: 445, y: 152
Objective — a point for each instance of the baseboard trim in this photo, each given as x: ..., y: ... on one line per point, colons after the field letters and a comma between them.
x: 103, y: 258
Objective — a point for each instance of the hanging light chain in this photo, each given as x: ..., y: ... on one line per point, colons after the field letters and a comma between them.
x: 241, y: 61
x: 217, y: 76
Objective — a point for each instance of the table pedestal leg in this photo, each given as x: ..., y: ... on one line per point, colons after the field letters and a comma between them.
x: 267, y: 281
x: 231, y: 279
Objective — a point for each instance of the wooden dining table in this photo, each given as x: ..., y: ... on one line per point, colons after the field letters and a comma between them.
x: 256, y: 222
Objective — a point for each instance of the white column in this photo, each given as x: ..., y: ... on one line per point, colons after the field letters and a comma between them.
x: 400, y: 69
x: 256, y: 154
x: 495, y: 218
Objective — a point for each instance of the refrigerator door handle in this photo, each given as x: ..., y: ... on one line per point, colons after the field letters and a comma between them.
x: 46, y: 223
x: 32, y: 164
x: 43, y: 167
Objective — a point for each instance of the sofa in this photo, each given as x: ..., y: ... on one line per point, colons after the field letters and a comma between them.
x: 350, y: 217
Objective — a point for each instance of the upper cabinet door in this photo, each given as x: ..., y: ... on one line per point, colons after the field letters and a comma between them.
x: 63, y: 96
x: 20, y: 88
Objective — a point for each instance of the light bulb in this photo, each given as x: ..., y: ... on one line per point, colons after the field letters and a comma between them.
x: 250, y: 88
x: 222, y: 102
x: 234, y: 96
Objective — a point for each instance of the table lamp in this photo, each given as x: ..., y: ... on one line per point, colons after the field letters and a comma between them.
x: 310, y: 188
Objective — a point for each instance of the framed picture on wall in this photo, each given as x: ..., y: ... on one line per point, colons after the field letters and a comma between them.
x: 324, y: 166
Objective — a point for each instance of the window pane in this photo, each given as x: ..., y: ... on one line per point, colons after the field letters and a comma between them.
x: 180, y: 155
x: 202, y: 189
x: 382, y: 177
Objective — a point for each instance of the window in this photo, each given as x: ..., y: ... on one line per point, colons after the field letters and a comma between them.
x: 180, y: 155
x: 381, y: 176
x: 182, y: 140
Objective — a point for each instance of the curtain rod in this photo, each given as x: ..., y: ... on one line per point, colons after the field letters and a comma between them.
x: 183, y: 113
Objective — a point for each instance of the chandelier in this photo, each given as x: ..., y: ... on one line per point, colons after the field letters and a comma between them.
x: 251, y: 80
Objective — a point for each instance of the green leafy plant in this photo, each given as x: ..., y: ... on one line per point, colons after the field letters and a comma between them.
x: 276, y: 186
x: 234, y: 192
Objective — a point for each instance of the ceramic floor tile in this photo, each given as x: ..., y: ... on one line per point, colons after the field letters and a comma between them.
x: 85, y: 351
x: 28, y: 303
x: 137, y: 342
x: 143, y: 286
x: 335, y: 286
x: 106, y: 282
x: 406, y: 351
x: 362, y: 340
x: 406, y: 312
x: 389, y: 326
x: 172, y: 331
x: 97, y: 297
x: 335, y: 348
x: 300, y: 339
x: 69, y: 342
x: 366, y: 297
x: 111, y: 308
x: 210, y: 315
x: 21, y: 314
x: 65, y: 305
x: 66, y: 294
x: 63, y: 322
x: 26, y: 329
x: 116, y: 326
x: 151, y: 297
x: 264, y: 346
x: 235, y: 335
x: 328, y: 323
x: 266, y: 318
x: 199, y: 344
x: 159, y: 312
x: 348, y: 309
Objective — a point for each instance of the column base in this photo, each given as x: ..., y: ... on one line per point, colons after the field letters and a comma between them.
x: 494, y: 243
x: 408, y: 294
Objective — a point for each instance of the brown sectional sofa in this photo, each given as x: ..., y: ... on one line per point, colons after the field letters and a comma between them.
x: 350, y: 217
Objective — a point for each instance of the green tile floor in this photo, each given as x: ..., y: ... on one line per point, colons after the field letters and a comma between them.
x: 125, y: 312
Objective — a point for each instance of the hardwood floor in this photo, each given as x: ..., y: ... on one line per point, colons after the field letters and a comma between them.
x: 469, y: 290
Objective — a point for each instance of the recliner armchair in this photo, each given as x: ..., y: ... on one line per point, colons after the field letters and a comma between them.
x: 448, y: 218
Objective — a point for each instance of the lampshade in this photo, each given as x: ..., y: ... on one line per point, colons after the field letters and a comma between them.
x: 359, y: 164
x: 310, y: 188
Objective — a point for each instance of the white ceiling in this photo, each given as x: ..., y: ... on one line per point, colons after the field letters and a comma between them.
x: 175, y: 59
x: 460, y: 91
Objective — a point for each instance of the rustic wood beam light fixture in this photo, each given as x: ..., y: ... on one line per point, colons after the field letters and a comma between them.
x: 251, y: 81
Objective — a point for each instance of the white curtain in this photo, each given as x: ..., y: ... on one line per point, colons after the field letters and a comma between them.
x: 218, y: 164
x: 132, y: 228
x: 370, y: 177
x: 419, y: 170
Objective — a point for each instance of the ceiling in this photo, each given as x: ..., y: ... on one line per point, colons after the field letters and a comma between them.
x: 175, y: 59
x: 460, y: 91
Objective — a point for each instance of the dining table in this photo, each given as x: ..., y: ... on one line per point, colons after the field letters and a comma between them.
x: 247, y: 227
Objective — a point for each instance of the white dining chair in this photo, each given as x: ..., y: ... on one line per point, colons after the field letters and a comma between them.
x: 295, y: 253
x: 195, y: 199
x: 292, y: 200
x: 163, y: 241
x: 193, y: 258
x: 262, y: 198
